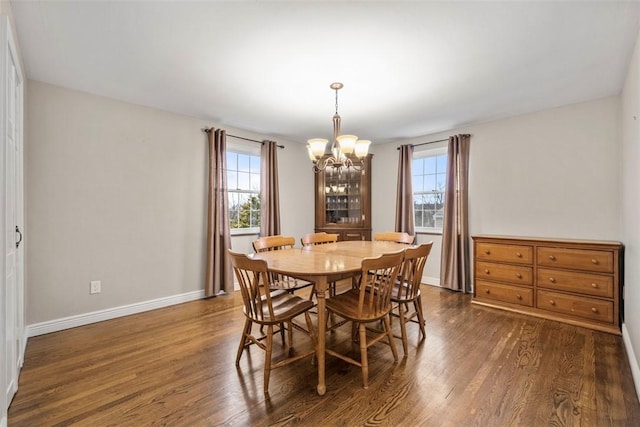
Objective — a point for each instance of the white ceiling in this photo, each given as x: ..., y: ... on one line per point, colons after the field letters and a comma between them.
x: 408, y: 68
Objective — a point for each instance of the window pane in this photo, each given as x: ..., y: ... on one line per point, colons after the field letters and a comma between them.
x: 233, y: 210
x: 232, y: 160
x: 429, y: 182
x: 441, y: 164
x: 232, y: 180
x: 243, y: 181
x: 255, y: 164
x: 417, y: 183
x: 417, y: 168
x: 429, y: 165
x: 255, y: 182
x: 244, y: 163
x: 418, y: 219
x: 441, y: 180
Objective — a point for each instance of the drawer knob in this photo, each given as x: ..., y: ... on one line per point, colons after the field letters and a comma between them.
x: 552, y: 258
x: 595, y: 310
x: 519, y: 276
x: 487, y: 291
x: 552, y: 302
x: 594, y: 285
x: 552, y: 279
x: 519, y: 296
x: 486, y: 270
x: 594, y: 261
x: 487, y: 252
x: 518, y: 254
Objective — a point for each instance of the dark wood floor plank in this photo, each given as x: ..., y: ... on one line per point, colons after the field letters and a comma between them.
x: 176, y: 366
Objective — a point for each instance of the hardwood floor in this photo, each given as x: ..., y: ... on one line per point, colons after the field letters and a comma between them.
x: 477, y: 366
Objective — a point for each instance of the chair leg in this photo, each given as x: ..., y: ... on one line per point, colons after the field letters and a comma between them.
x: 312, y: 335
x: 290, y: 327
x: 363, y: 355
x: 403, y: 328
x: 267, y: 358
x: 243, y: 340
x: 421, y: 322
x: 392, y: 343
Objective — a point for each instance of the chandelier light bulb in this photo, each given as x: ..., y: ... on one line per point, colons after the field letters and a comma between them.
x: 362, y: 148
x: 347, y: 143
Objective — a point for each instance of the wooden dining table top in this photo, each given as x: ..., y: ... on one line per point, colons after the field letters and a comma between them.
x: 327, y: 259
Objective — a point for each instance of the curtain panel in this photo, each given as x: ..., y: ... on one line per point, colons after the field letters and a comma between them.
x: 455, y: 261
x: 218, y: 274
x: 269, y: 195
x: 405, y: 221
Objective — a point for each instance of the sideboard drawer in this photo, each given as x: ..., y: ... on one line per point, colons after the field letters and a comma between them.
x: 515, y: 274
x: 504, y: 293
x: 572, y: 305
x: 576, y: 259
x: 598, y: 285
x: 505, y: 253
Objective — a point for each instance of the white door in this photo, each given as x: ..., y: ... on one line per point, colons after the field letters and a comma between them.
x: 11, y: 236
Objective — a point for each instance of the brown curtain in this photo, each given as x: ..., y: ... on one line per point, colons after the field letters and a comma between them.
x: 404, y: 198
x: 454, y: 263
x: 218, y: 275
x: 269, y: 196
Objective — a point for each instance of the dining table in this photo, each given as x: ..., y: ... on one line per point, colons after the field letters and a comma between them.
x: 322, y: 264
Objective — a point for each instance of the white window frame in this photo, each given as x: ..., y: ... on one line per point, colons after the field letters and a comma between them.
x: 251, y: 149
x: 433, y: 150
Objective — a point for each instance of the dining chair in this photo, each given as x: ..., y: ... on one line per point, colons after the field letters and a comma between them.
x: 394, y: 236
x: 320, y: 238
x: 368, y: 304
x: 407, y: 290
x: 267, y: 308
x: 274, y: 243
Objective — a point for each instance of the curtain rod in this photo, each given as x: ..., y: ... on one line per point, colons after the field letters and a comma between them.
x: 205, y: 130
x: 425, y: 143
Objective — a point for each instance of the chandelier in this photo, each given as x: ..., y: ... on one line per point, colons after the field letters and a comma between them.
x: 346, y: 151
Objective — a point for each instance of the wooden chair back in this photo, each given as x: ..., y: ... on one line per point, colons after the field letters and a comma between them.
x: 377, y: 278
x: 272, y: 243
x: 394, y: 236
x: 318, y: 238
x: 253, y: 279
x: 411, y: 274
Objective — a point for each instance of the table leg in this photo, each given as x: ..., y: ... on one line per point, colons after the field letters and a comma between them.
x: 321, y: 288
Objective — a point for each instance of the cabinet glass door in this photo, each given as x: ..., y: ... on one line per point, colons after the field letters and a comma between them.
x: 343, y: 197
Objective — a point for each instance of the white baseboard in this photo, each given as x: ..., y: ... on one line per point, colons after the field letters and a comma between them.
x: 434, y: 281
x: 633, y: 361
x: 110, y: 313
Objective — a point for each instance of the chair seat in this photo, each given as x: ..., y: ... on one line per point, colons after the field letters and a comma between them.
x: 285, y: 306
x: 346, y: 305
x: 400, y: 291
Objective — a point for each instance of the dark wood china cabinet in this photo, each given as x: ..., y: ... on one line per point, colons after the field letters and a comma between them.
x: 343, y: 202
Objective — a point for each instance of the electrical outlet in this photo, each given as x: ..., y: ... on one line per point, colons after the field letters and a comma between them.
x: 95, y: 287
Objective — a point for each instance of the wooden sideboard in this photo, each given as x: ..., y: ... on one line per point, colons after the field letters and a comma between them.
x: 571, y: 281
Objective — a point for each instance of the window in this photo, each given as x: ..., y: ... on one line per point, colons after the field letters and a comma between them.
x: 243, y: 185
x: 429, y: 184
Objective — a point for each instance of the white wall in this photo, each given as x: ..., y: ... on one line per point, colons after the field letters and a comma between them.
x: 554, y: 173
x: 630, y: 124
x: 117, y: 193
